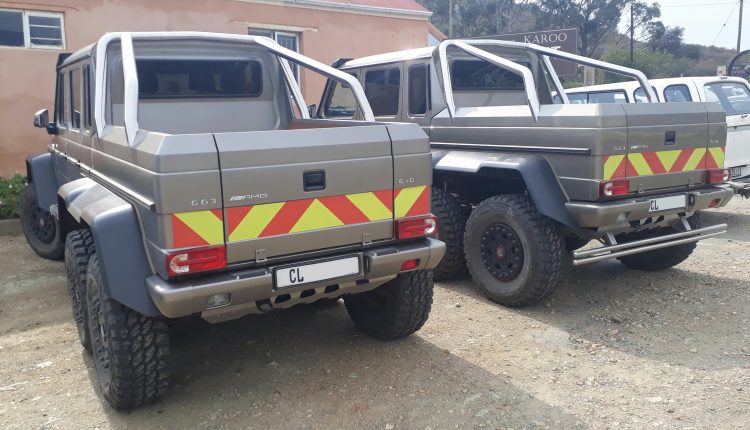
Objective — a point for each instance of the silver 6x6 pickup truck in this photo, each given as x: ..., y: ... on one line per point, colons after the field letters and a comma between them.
x: 185, y: 177
x: 541, y: 179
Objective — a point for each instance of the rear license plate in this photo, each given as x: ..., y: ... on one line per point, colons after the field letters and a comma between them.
x: 316, y: 272
x: 735, y: 172
x: 667, y: 203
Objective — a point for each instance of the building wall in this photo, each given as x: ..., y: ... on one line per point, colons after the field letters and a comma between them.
x: 27, y: 75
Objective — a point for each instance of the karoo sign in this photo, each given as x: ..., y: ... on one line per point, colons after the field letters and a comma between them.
x: 565, y: 40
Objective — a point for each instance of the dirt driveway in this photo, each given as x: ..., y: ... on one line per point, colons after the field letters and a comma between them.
x: 613, y: 348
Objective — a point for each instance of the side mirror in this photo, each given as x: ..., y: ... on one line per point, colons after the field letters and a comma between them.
x: 41, y: 119
x: 312, y: 110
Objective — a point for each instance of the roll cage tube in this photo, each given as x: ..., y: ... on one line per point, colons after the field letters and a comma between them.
x: 626, y: 71
x: 130, y: 74
x: 524, y: 72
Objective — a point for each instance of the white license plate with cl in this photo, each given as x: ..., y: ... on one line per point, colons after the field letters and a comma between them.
x: 735, y: 172
x: 316, y: 272
x: 667, y: 203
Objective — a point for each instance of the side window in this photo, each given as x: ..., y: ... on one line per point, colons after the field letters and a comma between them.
x: 382, y: 88
x: 608, y: 97
x: 341, y: 102
x: 87, y: 97
x: 640, y: 96
x: 578, y: 98
x: 75, y: 98
x: 419, y: 89
x: 65, y: 100
x: 677, y: 93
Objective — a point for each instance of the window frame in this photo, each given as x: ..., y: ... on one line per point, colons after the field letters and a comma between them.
x: 687, y: 89
x: 384, y: 68
x: 25, y: 13
x: 428, y: 95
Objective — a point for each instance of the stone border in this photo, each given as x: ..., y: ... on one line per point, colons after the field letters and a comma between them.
x: 10, y: 227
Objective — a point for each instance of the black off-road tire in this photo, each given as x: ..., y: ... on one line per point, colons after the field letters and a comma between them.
x: 394, y: 310
x: 79, y: 247
x: 451, y: 223
x: 40, y: 227
x: 130, y: 349
x: 514, y: 218
x: 658, y: 259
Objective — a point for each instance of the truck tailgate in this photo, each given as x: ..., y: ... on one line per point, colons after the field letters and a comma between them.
x: 670, y: 145
x: 291, y: 191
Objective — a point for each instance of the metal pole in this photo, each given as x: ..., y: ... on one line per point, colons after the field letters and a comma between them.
x: 632, y: 30
x: 739, y: 29
x: 497, y: 16
x: 450, y: 19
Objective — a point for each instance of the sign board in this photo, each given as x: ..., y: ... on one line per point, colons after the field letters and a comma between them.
x: 565, y: 40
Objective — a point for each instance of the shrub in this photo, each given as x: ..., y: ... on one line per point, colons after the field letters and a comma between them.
x: 10, y: 195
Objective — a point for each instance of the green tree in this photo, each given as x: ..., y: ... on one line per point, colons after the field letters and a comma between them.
x: 663, y: 38
x: 593, y: 18
x: 476, y: 17
x: 657, y: 64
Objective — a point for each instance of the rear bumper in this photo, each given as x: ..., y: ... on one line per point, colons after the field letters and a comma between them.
x: 741, y: 188
x: 603, y: 214
x: 253, y: 290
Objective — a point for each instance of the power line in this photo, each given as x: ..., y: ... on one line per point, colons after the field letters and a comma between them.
x: 725, y: 23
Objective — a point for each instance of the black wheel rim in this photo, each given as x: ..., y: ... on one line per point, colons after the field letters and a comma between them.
x: 502, y: 252
x: 43, y: 225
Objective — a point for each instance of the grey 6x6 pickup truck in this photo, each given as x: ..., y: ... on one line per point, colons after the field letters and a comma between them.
x: 185, y: 177
x: 541, y: 179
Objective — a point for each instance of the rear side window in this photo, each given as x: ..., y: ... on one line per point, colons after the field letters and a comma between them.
x: 173, y: 79
x: 640, y: 96
x: 419, y: 88
x: 677, y: 93
x: 482, y: 75
x: 65, y: 99
x: 382, y: 88
x: 733, y: 96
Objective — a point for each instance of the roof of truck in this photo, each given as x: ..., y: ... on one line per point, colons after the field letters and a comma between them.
x: 391, y: 57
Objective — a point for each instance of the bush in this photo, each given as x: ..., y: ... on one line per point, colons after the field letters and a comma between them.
x: 10, y: 195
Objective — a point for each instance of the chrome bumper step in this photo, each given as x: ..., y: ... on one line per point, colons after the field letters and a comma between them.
x: 614, y: 250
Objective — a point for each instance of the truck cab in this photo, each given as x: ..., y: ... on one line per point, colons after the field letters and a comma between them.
x: 523, y: 178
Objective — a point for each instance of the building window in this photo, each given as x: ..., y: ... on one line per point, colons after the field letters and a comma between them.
x: 30, y: 29
x: 287, y: 40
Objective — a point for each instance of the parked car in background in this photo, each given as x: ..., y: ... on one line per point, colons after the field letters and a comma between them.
x: 540, y: 180
x: 185, y: 177
x: 731, y: 92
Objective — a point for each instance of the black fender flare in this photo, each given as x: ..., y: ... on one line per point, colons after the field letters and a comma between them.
x: 40, y: 170
x: 118, y: 240
x: 538, y: 176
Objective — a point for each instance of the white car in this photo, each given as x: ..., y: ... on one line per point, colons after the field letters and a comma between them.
x: 731, y: 92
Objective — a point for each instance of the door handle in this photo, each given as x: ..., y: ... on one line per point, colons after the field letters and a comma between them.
x: 314, y: 180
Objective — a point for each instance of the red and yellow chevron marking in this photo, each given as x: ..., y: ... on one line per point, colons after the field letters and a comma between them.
x: 197, y: 228
x: 658, y: 162
x: 272, y: 219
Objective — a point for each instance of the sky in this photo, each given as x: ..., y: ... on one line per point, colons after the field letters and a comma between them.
x: 703, y: 21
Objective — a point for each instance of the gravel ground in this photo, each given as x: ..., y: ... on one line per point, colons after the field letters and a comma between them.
x: 612, y: 348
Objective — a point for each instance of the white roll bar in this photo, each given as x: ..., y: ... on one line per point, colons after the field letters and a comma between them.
x: 470, y: 46
x: 622, y: 70
x: 524, y: 72
x: 130, y: 74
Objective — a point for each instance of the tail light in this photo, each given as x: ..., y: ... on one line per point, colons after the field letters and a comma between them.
x: 717, y: 176
x: 418, y: 226
x: 617, y: 187
x: 197, y: 260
